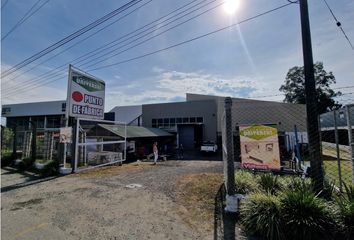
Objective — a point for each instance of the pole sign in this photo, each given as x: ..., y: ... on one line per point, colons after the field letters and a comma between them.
x: 259, y: 147
x: 86, y: 96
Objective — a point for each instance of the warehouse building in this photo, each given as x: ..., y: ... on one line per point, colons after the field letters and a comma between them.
x: 200, y: 118
x: 192, y: 122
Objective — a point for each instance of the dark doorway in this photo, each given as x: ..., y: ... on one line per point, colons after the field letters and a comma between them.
x: 190, y: 135
x: 186, y: 136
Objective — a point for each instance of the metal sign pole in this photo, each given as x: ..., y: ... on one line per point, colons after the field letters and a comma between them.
x: 67, y: 113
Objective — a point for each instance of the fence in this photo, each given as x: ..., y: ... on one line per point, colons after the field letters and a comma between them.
x: 219, y: 211
x: 337, y: 145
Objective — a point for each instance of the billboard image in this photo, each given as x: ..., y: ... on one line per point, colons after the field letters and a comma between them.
x: 259, y: 147
x: 86, y: 96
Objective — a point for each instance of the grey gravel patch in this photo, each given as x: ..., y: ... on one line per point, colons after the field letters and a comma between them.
x: 29, y: 203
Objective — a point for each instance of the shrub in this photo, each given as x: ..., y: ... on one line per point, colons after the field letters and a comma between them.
x: 269, y: 183
x: 261, y: 216
x: 305, y: 216
x: 50, y: 168
x: 329, y: 190
x: 345, y: 203
x: 25, y: 164
x: 245, y: 182
x: 298, y: 184
x: 6, y: 160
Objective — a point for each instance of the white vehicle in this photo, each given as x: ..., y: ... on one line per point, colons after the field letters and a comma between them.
x: 208, y: 147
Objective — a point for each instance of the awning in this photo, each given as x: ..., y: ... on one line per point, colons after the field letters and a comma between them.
x: 135, y: 131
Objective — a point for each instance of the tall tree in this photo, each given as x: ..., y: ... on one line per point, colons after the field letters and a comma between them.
x: 294, y: 87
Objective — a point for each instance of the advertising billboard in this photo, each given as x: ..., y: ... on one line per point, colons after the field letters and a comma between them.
x: 86, y: 96
x: 259, y: 147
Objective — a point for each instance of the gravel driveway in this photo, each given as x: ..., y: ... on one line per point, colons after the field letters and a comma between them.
x: 129, y: 202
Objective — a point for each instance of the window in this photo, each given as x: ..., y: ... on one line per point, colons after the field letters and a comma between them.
x: 166, y: 121
x: 172, y: 120
x: 153, y: 123
x: 179, y: 120
x: 53, y: 122
x: 192, y: 119
x: 38, y: 122
x: 6, y: 110
x: 185, y: 120
x: 159, y: 121
x: 63, y: 107
x: 200, y: 120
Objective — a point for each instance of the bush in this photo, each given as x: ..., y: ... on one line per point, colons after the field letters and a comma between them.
x: 245, y: 182
x: 345, y: 203
x: 305, y: 216
x: 6, y: 160
x: 50, y: 168
x: 261, y: 216
x: 25, y: 164
x: 298, y: 184
x: 269, y: 183
x: 329, y: 190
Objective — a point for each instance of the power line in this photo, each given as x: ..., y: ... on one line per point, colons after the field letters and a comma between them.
x: 4, y: 4
x: 339, y: 25
x: 94, y: 53
x: 282, y: 94
x: 192, y: 39
x: 181, y: 43
x: 70, y: 37
x: 154, y: 36
x: 27, y: 15
x: 75, y: 44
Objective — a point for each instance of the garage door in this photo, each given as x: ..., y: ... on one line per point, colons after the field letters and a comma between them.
x: 186, y: 136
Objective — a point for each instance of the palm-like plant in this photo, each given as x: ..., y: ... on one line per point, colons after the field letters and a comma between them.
x: 260, y: 214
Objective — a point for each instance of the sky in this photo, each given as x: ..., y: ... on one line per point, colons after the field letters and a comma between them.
x: 249, y: 60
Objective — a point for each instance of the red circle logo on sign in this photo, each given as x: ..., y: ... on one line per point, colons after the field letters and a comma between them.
x: 77, y: 96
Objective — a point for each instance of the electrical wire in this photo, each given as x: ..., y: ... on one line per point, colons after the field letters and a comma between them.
x: 181, y: 43
x: 192, y: 39
x: 4, y: 4
x: 75, y: 44
x: 153, y: 30
x: 25, y: 17
x: 339, y: 24
x: 69, y: 38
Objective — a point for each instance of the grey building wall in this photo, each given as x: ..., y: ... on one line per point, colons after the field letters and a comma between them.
x: 128, y: 114
x: 327, y: 119
x: 247, y: 111
x: 205, y: 109
x: 34, y: 109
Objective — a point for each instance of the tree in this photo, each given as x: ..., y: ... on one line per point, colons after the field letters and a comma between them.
x: 294, y: 87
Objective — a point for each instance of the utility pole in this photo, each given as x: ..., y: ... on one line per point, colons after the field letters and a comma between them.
x: 311, y: 100
x: 229, y: 174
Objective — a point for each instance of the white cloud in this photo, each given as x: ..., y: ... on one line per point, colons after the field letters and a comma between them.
x: 168, y: 86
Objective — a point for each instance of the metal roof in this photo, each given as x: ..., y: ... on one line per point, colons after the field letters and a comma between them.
x: 135, y: 131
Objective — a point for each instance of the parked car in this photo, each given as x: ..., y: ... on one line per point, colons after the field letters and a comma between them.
x: 208, y: 146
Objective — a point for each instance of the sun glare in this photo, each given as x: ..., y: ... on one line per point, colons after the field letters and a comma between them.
x: 231, y: 6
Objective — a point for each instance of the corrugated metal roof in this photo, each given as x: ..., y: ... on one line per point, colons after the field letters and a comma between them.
x: 135, y: 131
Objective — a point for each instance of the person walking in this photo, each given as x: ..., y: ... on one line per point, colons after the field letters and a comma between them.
x: 156, y: 152
x: 181, y: 151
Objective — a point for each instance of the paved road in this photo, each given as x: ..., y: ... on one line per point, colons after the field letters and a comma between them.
x: 101, y: 206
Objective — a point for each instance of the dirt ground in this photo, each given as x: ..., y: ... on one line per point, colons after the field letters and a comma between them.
x: 120, y: 202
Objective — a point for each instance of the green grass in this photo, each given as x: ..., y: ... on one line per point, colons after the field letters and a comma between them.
x: 331, y: 170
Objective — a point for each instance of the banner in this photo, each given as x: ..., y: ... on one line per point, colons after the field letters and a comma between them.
x: 65, y: 135
x: 86, y: 96
x: 259, y: 147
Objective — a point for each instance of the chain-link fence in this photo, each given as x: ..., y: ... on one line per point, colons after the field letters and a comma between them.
x: 337, y: 145
x: 219, y: 211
